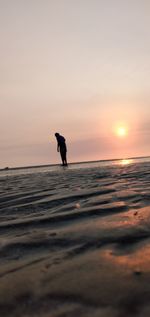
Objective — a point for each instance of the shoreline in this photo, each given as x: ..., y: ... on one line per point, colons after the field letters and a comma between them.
x: 72, y: 163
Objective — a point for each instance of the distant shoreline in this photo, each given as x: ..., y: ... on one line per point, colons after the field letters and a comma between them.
x: 83, y: 162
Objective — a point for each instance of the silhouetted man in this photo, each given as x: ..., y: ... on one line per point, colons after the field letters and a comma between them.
x: 61, y: 147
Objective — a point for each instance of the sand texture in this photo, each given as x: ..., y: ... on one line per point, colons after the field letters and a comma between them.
x: 76, y: 242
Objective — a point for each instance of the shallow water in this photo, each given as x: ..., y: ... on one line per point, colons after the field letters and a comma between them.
x: 71, y: 236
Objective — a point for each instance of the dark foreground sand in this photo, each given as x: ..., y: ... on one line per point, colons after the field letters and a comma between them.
x: 76, y: 243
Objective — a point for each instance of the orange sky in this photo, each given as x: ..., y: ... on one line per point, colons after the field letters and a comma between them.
x: 80, y: 68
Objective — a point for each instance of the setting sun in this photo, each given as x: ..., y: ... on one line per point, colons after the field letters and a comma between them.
x: 121, y: 131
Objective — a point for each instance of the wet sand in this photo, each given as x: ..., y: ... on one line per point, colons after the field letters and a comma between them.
x: 76, y: 242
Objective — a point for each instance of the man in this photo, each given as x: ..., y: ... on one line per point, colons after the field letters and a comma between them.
x: 61, y: 147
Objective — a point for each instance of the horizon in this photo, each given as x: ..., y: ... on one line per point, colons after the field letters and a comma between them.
x: 75, y: 162
x: 81, y: 68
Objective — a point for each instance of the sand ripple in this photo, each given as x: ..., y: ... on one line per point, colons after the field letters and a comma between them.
x: 70, y: 238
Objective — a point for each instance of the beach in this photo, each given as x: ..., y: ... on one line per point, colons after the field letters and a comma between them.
x: 76, y: 241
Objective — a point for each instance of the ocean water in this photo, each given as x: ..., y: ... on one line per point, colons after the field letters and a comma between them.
x: 70, y: 237
x: 52, y: 168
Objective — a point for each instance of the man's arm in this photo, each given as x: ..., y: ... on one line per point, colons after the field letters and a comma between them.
x: 58, y: 147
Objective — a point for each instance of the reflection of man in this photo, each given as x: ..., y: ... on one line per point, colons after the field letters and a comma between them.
x: 61, y: 147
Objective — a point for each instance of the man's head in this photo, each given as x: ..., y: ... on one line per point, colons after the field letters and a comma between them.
x: 56, y: 134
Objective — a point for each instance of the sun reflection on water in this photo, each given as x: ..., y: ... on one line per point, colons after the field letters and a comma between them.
x: 135, y: 259
x: 125, y: 162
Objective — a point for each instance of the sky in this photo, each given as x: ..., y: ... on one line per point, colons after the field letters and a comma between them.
x: 77, y: 67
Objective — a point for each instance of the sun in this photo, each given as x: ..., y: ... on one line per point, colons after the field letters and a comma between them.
x: 121, y: 131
